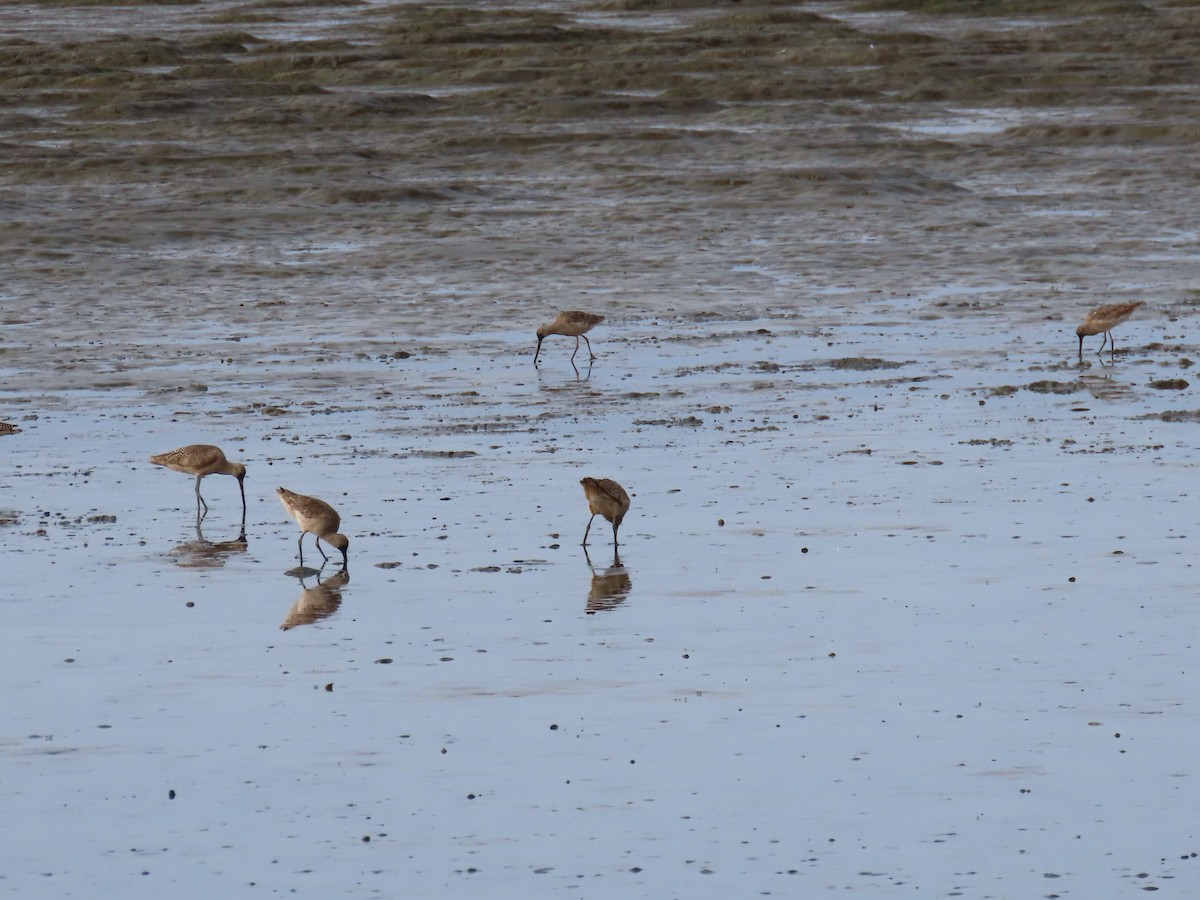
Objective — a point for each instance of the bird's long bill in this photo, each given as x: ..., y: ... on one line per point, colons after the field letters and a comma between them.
x: 1081, y: 345
x: 242, y: 486
x: 537, y: 351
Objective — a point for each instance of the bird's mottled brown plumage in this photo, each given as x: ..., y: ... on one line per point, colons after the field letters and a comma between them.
x: 315, y: 517
x: 573, y: 323
x: 9, y: 428
x: 605, y: 498
x: 1102, y: 320
x: 202, y: 460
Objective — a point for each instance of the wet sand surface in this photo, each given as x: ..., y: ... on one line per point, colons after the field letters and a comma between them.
x: 904, y: 601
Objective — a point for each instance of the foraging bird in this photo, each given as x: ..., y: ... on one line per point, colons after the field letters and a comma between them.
x: 9, y: 428
x: 574, y: 324
x: 318, y: 518
x: 1104, y: 319
x: 605, y: 498
x: 201, y: 460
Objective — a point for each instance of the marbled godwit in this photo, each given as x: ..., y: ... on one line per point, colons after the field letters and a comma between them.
x: 605, y: 498
x: 1102, y: 320
x: 9, y: 428
x: 574, y: 324
x: 201, y: 460
x: 318, y: 518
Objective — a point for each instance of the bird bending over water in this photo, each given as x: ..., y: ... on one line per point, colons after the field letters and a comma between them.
x: 201, y: 460
x: 1102, y: 320
x: 318, y: 518
x: 574, y: 324
x: 605, y: 498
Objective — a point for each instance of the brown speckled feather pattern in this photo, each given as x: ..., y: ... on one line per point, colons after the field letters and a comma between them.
x: 571, y: 323
x: 605, y: 498
x: 194, y: 459
x: 1105, y: 318
x: 311, y: 514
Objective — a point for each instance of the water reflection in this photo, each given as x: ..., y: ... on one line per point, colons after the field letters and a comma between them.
x: 581, y: 377
x: 610, y: 586
x: 316, y: 602
x: 205, y: 554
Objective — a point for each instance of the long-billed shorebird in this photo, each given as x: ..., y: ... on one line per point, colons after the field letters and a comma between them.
x: 605, y: 498
x: 574, y: 324
x: 201, y: 460
x: 1103, y: 319
x: 318, y: 518
x: 9, y: 428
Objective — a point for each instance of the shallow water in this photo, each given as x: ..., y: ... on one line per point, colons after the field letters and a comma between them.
x: 861, y: 640
x: 904, y: 598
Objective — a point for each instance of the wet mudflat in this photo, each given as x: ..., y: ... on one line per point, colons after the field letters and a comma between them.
x: 905, y: 598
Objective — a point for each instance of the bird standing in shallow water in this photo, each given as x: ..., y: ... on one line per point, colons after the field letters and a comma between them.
x: 201, y: 460
x: 574, y: 324
x: 318, y: 518
x: 1103, y: 319
x: 605, y: 498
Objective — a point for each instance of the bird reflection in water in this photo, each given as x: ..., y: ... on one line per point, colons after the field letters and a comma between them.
x: 205, y: 554
x: 316, y: 602
x: 610, y: 586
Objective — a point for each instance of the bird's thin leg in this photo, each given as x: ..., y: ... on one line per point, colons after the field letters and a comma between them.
x: 1112, y: 345
x: 588, y: 529
x: 589, y: 343
x: 300, y: 546
x: 200, y: 500
x: 317, y: 541
x: 1103, y: 341
x: 576, y: 349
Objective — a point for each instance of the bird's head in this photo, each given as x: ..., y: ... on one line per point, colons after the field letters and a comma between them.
x: 342, y: 543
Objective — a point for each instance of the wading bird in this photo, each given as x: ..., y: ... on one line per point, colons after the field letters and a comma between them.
x: 201, y: 460
x: 318, y: 518
x: 574, y: 324
x: 1103, y: 319
x: 605, y: 498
